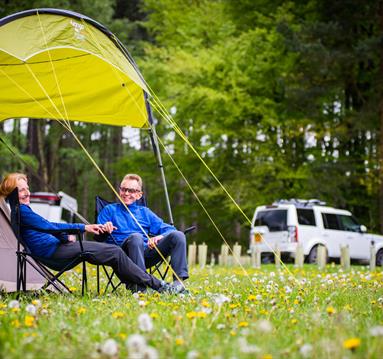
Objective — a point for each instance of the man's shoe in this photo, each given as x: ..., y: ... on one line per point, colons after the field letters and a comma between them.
x: 136, y: 288
x: 167, y: 288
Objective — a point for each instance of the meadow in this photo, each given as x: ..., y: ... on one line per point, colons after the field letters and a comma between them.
x: 265, y: 313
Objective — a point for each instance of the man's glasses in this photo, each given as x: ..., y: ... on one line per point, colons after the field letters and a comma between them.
x: 130, y: 190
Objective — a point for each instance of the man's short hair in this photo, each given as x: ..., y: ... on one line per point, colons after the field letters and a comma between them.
x: 133, y: 176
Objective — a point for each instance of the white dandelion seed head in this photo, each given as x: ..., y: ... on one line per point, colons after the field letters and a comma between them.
x: 141, y: 303
x: 14, y: 304
x: 135, y: 343
x: 31, y: 309
x: 149, y: 353
x: 377, y: 331
x: 109, y: 347
x: 220, y: 299
x: 306, y: 350
x: 264, y: 326
x: 288, y: 289
x: 145, y: 322
x: 193, y: 354
x: 221, y: 326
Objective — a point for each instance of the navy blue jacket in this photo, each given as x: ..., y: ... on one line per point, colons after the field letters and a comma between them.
x: 43, y: 244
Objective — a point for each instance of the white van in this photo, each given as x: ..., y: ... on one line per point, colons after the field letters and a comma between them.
x: 54, y: 207
x: 309, y: 222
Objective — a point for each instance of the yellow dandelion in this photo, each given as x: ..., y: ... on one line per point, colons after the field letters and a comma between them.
x: 330, y: 310
x: 252, y: 298
x: 15, y: 323
x: 2, y: 312
x: 351, y: 343
x: 294, y: 321
x: 122, y: 335
x: 205, y: 303
x: 191, y: 315
x: 154, y: 315
x: 243, y: 324
x: 296, y: 301
x: 2, y: 305
x: 233, y: 333
x: 15, y: 310
x: 81, y: 310
x: 118, y: 315
x: 267, y: 356
x: 234, y: 305
x: 180, y: 341
x: 73, y: 289
x: 29, y: 321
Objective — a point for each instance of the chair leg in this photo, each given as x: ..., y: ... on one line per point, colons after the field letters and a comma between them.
x: 84, y: 285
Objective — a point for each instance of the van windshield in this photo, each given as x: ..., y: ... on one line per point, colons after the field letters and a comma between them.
x: 275, y: 219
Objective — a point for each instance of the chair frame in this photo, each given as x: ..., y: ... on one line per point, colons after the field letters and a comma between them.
x: 40, y: 264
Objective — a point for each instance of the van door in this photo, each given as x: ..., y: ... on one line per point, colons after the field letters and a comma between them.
x: 276, y: 221
x: 358, y: 242
x: 332, y: 234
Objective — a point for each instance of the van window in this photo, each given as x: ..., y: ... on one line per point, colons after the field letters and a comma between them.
x: 276, y: 220
x: 348, y: 223
x: 330, y: 221
x: 306, y: 216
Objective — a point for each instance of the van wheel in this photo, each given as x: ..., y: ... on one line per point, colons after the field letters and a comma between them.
x: 379, y: 258
x: 313, y: 255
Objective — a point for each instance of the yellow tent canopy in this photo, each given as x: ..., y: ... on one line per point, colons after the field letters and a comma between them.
x: 59, y: 64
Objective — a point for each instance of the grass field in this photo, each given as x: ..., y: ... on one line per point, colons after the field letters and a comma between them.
x: 266, y: 314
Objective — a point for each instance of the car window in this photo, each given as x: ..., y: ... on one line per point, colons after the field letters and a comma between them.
x: 330, y: 221
x: 276, y: 220
x: 348, y: 223
x: 306, y: 216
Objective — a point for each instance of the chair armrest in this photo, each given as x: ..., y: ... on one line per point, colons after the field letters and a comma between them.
x: 189, y: 229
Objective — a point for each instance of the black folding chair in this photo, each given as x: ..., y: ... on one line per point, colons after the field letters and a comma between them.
x: 40, y: 264
x: 156, y: 269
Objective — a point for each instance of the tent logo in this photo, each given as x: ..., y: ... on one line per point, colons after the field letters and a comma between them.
x: 78, y: 30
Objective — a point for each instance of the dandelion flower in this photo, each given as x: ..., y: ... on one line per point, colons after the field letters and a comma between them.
x: 14, y: 304
x: 118, y: 315
x: 193, y: 354
x: 351, y: 343
x: 31, y: 309
x: 180, y: 341
x: 306, y: 350
x: 264, y: 326
x: 29, y: 321
x: 136, y: 343
x: 377, y: 331
x: 109, y: 347
x: 149, y: 353
x: 330, y: 310
x: 145, y: 322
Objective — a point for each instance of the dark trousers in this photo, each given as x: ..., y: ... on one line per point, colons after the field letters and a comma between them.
x: 173, y: 244
x: 110, y: 255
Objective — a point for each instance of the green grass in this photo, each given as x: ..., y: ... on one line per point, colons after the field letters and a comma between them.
x: 268, y: 313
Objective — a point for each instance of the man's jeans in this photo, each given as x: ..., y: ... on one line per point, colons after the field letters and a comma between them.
x: 173, y: 244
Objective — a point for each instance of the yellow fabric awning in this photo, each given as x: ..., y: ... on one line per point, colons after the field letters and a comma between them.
x: 61, y: 65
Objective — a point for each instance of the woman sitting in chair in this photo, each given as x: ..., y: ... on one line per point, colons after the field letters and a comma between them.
x: 42, y: 244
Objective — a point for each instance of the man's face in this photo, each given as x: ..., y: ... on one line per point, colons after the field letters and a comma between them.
x: 130, y: 191
x: 24, y: 193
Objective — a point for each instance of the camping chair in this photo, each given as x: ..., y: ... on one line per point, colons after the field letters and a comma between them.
x: 43, y: 265
x: 156, y: 269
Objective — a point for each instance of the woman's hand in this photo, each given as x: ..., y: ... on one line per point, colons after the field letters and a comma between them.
x: 94, y: 228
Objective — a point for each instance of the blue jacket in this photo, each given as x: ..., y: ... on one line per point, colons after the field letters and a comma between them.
x: 126, y: 225
x: 42, y: 244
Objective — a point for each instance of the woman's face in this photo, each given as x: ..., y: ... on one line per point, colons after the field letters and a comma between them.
x: 24, y: 193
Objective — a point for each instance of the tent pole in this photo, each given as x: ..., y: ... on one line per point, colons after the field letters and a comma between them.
x: 157, y: 153
x: 156, y: 150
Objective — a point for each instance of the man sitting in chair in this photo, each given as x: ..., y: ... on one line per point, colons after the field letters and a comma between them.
x: 47, y: 245
x: 138, y: 231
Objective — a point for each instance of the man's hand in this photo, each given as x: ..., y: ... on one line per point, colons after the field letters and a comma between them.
x: 108, y: 227
x: 152, y: 242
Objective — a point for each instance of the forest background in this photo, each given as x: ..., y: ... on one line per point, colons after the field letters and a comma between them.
x: 282, y: 99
